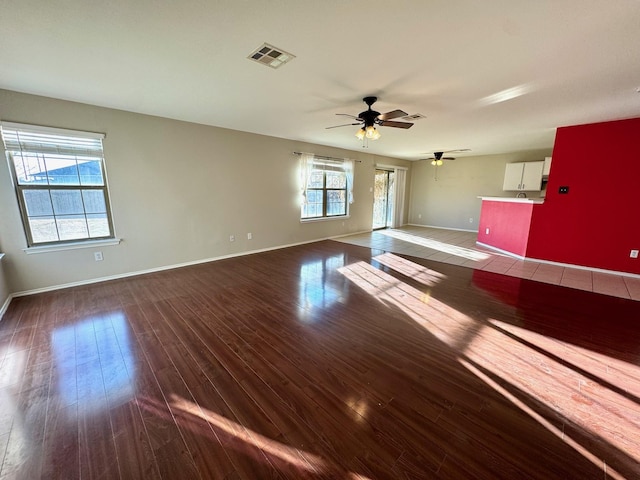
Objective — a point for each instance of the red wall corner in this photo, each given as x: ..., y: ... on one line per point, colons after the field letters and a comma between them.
x: 595, y: 223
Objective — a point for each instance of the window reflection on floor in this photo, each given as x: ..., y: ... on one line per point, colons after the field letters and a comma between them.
x: 94, y: 362
x: 316, y: 288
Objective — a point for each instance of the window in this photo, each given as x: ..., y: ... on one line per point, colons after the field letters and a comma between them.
x: 326, y: 187
x: 60, y: 182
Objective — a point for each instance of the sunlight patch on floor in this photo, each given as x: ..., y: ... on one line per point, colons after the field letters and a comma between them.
x: 445, y: 323
x: 456, y: 250
x: 540, y: 419
x: 571, y: 380
x: 421, y: 274
x: 11, y: 372
x: 274, y: 450
x: 12, y: 366
x: 548, y: 370
x: 272, y: 447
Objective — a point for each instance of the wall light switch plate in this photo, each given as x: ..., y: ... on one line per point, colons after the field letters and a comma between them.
x: 634, y: 254
x: 98, y: 256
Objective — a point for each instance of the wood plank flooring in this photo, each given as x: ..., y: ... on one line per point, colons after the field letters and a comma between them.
x: 323, y: 361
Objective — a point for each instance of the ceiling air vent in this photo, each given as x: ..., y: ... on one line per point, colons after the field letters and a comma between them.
x: 270, y: 56
x: 414, y: 117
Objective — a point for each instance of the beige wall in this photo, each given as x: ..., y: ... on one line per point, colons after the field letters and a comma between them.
x: 178, y: 191
x: 452, y: 200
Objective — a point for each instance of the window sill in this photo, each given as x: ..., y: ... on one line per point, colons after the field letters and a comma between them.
x: 323, y: 219
x: 71, y: 246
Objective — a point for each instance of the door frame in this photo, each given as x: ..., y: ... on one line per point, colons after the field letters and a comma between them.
x: 398, y: 193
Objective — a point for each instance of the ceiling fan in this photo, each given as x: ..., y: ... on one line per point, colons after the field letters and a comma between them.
x: 370, y: 118
x: 437, y: 158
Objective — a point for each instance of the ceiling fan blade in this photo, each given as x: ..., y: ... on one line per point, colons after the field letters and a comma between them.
x: 458, y: 150
x: 392, y: 114
x: 350, y: 116
x: 343, y: 125
x: 447, y: 151
x: 448, y: 158
x: 387, y: 123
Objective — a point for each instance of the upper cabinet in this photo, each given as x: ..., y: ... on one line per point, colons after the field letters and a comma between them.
x: 523, y: 176
x: 547, y: 166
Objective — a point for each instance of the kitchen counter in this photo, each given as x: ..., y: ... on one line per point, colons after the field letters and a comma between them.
x: 514, y: 199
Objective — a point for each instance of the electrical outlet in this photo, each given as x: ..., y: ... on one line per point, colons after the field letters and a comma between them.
x: 232, y: 238
x: 419, y: 216
x: 486, y: 231
x: 470, y: 219
x: 634, y: 254
x: 98, y: 256
x: 249, y: 236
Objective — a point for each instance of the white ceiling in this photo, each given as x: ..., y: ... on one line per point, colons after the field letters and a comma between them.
x: 576, y: 60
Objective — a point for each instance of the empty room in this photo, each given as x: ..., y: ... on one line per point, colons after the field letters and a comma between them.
x: 331, y: 240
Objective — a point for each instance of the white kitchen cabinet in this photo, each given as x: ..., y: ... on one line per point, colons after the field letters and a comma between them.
x: 523, y: 176
x: 513, y: 176
x: 547, y: 166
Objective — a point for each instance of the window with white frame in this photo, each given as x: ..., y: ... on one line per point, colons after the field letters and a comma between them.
x: 327, y: 187
x: 60, y: 182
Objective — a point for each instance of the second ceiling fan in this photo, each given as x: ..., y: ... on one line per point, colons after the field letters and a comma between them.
x: 438, y: 158
x: 370, y: 118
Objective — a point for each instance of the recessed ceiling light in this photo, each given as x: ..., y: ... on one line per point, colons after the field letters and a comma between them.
x: 270, y: 56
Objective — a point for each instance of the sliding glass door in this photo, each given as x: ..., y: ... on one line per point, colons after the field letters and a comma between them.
x: 383, y: 195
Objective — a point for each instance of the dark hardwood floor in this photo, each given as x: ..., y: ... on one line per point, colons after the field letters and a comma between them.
x: 321, y: 361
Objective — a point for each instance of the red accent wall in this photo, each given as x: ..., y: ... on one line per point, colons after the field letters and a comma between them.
x: 597, y: 223
x: 508, y: 225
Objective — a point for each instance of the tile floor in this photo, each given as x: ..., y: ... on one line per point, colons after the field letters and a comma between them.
x: 459, y: 248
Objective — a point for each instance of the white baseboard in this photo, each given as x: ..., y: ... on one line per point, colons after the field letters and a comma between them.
x: 163, y: 268
x: 347, y: 235
x: 560, y: 264
x: 5, y: 306
x: 443, y: 228
x: 499, y: 250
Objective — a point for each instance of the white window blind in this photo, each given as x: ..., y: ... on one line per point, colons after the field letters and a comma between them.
x: 34, y: 139
x: 60, y: 183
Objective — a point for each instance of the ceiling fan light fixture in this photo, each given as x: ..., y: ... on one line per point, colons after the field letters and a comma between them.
x: 436, y: 163
x: 371, y: 132
x: 370, y: 118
